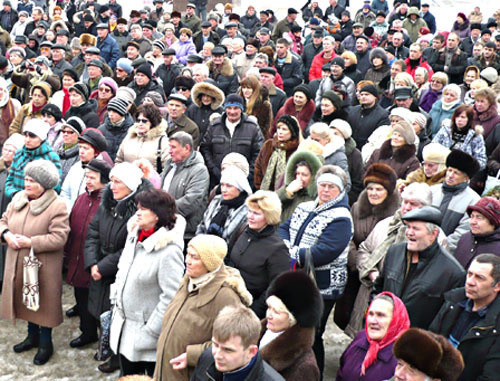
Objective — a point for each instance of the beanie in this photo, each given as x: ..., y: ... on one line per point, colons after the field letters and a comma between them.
x: 44, y: 172
x: 76, y: 124
x: 303, y: 88
x: 145, y: 69
x: 369, y: 89
x: 125, y: 64
x: 126, y: 93
x: 238, y: 160
x: 82, y: 89
x: 52, y: 110
x: 406, y: 130
x: 15, y: 140
x: 234, y: 100
x: 37, y: 127
x: 110, y: 82
x: 333, y: 97
x: 339, y: 61
x: 343, y: 127
x: 211, y: 249
x: 291, y: 122
x: 118, y: 105
x: 129, y: 174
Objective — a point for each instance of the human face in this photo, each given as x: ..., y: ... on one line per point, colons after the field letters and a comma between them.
x: 86, y: 152
x: 175, y: 108
x: 376, y: 193
x: 449, y: 96
x: 284, y: 133
x: 377, y: 62
x: 419, y: 77
x: 132, y: 53
x: 206, y: 99
x: 488, y: 52
x: 94, y: 72
x: 479, y: 224
x: 230, y: 355
x: 299, y: 99
x: 481, y: 104
x: 184, y: 37
x: 247, y: 92
x: 436, y: 84
x: 436, y: 44
x: 114, y: 117
x: 408, y: 204
x: 361, y: 45
x: 336, y: 70
x: 31, y: 141
x: 75, y: 98
x: 452, y: 41
x: 194, y: 265
x: 378, y: 319
x: 303, y: 174
x: 455, y: 177
x: 119, y: 189
x: 49, y: 119
x: 146, y: 218
x: 69, y: 136
x: 397, y: 40
x: 367, y: 99
x: 277, y: 321
x: 319, y: 139
x: 8, y: 152
x: 327, y: 107
x: 477, y: 50
x: 281, y: 50
x: 266, y: 80
x: 93, y: 180
x: 233, y: 113
x: 256, y: 219
x: 470, y: 76
x: 418, y: 237
x: 461, y: 120
x: 250, y: 50
x: 415, y: 53
x: 38, y: 99
x: 430, y: 168
x: 397, y: 140
x: 218, y: 59
x: 143, y: 124
x: 177, y: 152
x: 105, y: 92
x: 141, y: 79
x: 405, y: 372
x: 479, y: 284
x: 147, y: 33
x: 327, y: 46
x: 167, y: 59
x: 395, y: 70
x: 32, y: 188
x: 229, y: 191
x: 67, y: 81
x: 189, y: 11
x: 327, y: 191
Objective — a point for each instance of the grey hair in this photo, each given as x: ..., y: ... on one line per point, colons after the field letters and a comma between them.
x: 201, y: 69
x: 418, y: 191
x: 334, y: 169
x: 183, y: 138
x: 263, y: 56
x: 238, y: 41
x: 431, y: 227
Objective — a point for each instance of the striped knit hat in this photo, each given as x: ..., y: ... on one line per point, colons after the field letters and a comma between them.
x: 118, y: 105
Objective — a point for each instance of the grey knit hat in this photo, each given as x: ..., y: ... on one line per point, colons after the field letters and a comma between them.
x: 118, y: 105
x: 44, y: 172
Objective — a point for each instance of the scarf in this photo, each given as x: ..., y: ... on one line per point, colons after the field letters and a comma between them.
x: 400, y: 322
x: 268, y: 337
x: 219, y: 220
x: 448, y: 193
x: 449, y: 56
x: 458, y: 138
x: 143, y: 234
x: 36, y: 109
x: 276, y: 167
x: 447, y: 106
x: 66, y: 103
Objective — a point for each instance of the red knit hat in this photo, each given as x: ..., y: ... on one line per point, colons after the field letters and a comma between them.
x: 489, y: 207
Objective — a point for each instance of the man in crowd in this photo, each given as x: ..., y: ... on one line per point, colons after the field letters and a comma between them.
x: 222, y: 71
x: 277, y: 97
x: 450, y: 60
x: 190, y: 20
x: 168, y: 71
x: 178, y: 121
x: 110, y: 51
x: 284, y: 26
x: 288, y: 65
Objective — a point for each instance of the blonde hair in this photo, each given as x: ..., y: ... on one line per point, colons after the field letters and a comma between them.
x: 406, y: 78
x: 276, y: 303
x: 351, y: 56
x: 268, y: 203
x: 442, y: 77
x: 208, y: 45
x: 323, y: 130
x: 480, y: 83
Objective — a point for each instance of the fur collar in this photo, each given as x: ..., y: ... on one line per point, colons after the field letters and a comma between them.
x: 162, y: 237
x: 305, y: 114
x: 386, y: 209
x: 152, y: 134
x: 401, y: 155
x: 226, y: 69
x: 208, y: 89
x: 288, y: 146
x: 335, y: 145
x: 284, y: 351
x: 37, y: 206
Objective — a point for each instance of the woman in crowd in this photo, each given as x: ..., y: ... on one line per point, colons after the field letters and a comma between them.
x: 259, y: 253
x: 470, y: 75
x: 294, y: 309
x: 207, y: 287
x: 227, y: 211
x: 300, y: 106
x: 106, y: 90
x: 68, y: 151
x: 351, y: 66
x: 322, y: 230
x: 257, y: 102
x: 170, y: 36
x: 379, y: 68
x: 52, y: 115
x: 476, y: 85
x: 421, y: 81
x: 331, y: 108
x: 207, y: 99
x: 369, y: 356
x: 150, y: 270
x: 123, y: 73
x: 106, y: 238
x: 184, y: 46
x: 82, y: 106
x: 324, y: 57
x: 461, y: 26
x: 271, y: 162
x: 83, y: 211
x: 486, y: 115
x: 399, y: 151
x: 459, y: 133
x: 61, y: 97
x: 299, y: 186
x: 36, y: 220
x: 445, y: 107
x: 429, y: 97
x: 146, y: 139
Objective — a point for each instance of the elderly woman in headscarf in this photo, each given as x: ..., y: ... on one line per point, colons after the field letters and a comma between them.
x: 369, y: 357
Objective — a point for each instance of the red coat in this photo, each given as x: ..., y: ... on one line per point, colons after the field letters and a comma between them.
x: 423, y: 63
x: 84, y: 210
x: 317, y: 64
x: 303, y: 116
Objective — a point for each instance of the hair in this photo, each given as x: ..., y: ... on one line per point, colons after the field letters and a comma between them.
x: 418, y: 191
x: 469, y: 111
x: 442, y: 77
x: 329, y: 38
x: 401, y: 34
x: 431, y: 227
x: 269, y: 52
x: 202, y: 69
x: 151, y: 112
x: 454, y: 88
x: 426, y: 72
x: 254, y: 83
x: 263, y: 56
x: 385, y: 297
x: 454, y: 34
x: 161, y: 203
x: 494, y: 260
x: 323, y: 130
x: 208, y: 45
x: 406, y: 78
x: 238, y: 41
x: 487, y: 93
x: 135, y: 377
x: 333, y: 169
x: 183, y: 138
x: 400, y: 63
x: 363, y: 83
x: 303, y: 163
x: 269, y: 203
x: 351, y: 56
x: 481, y: 83
x: 135, y: 26
x: 237, y: 321
x: 186, y: 72
x: 439, y: 37
x: 415, y: 45
x: 283, y: 41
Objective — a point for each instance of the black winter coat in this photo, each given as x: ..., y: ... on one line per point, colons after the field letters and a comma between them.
x: 480, y: 347
x: 308, y: 55
x: 167, y: 74
x: 260, y: 257
x: 201, y: 116
x: 141, y: 92
x: 436, y: 272
x: 115, y: 134
x: 364, y: 121
x: 291, y: 73
x: 87, y: 112
x: 457, y: 68
x: 470, y: 246
x: 105, y: 241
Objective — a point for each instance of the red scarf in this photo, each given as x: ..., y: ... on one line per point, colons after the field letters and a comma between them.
x: 66, y: 104
x: 400, y: 322
x: 145, y: 234
x: 36, y: 109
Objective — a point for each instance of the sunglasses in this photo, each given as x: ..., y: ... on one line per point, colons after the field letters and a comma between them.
x: 181, y: 88
x: 104, y: 89
x: 29, y: 134
x: 120, y: 70
x: 141, y: 120
x: 68, y: 132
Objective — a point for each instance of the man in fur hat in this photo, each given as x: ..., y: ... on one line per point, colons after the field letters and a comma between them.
x: 419, y: 271
x: 455, y: 195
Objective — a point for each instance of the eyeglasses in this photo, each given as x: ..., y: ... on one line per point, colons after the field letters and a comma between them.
x: 181, y: 88
x: 120, y: 70
x: 104, y: 89
x: 435, y: 81
x: 68, y: 132
x: 141, y: 120
x: 30, y: 134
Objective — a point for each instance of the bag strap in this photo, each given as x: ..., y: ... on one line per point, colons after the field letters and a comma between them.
x: 158, y: 155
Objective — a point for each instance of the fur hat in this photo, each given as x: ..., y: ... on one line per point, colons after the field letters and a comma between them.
x: 431, y: 354
x: 489, y: 207
x: 435, y: 153
x: 210, y: 90
x: 382, y: 174
x: 300, y: 295
x: 129, y: 174
x: 379, y: 53
x: 291, y: 122
x: 463, y: 162
x: 406, y: 130
x: 88, y: 39
x: 343, y: 127
x: 44, y: 172
x: 269, y: 203
x: 211, y: 249
x: 37, y: 127
x: 238, y: 160
x: 182, y: 81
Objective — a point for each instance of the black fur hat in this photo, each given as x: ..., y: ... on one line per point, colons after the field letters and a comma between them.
x: 379, y: 53
x: 300, y: 295
x: 463, y: 162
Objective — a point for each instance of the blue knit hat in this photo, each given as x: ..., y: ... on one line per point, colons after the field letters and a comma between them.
x: 234, y: 100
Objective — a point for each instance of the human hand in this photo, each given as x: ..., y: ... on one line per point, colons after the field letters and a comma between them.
x: 179, y: 362
x: 373, y: 275
x: 23, y: 241
x: 94, y: 273
x: 295, y: 186
x: 11, y: 240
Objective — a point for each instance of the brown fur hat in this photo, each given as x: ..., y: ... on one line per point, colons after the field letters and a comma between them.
x: 430, y: 353
x: 207, y: 89
x: 382, y: 174
x: 86, y: 38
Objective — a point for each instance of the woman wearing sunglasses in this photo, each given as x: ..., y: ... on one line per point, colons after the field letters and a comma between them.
x: 105, y: 91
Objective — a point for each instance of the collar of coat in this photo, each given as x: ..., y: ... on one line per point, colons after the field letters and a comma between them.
x: 160, y: 238
x: 285, y: 350
x: 402, y: 154
x: 226, y: 69
x: 152, y: 134
x: 288, y: 58
x: 387, y: 208
x: 37, y: 206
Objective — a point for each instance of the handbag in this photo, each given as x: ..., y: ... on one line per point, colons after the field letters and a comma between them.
x: 103, y: 349
x: 31, y: 288
x: 309, y: 265
x: 491, y: 182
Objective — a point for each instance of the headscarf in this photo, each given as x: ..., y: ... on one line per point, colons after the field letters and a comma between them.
x: 400, y: 322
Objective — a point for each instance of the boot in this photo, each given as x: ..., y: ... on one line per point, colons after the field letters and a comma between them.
x: 45, y: 351
x: 30, y: 342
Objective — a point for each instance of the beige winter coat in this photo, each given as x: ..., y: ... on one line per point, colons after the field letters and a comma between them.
x: 45, y: 221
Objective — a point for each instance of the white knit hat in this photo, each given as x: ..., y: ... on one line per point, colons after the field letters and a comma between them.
x: 15, y: 140
x: 236, y: 177
x: 129, y: 174
x: 37, y: 127
x: 343, y: 127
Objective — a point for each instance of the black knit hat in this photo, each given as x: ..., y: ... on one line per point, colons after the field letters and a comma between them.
x: 291, y: 122
x: 82, y: 89
x: 145, y: 69
x: 53, y: 110
x: 101, y: 167
x: 369, y: 89
x: 333, y: 97
x: 76, y: 124
x: 463, y: 162
x: 303, y: 88
x: 339, y: 61
x: 118, y: 105
x: 300, y: 295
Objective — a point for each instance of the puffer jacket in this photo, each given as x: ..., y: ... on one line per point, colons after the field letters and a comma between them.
x: 87, y: 112
x: 439, y: 114
x: 115, y: 134
x: 225, y: 77
x: 183, y: 50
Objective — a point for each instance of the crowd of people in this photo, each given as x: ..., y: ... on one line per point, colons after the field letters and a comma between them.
x: 214, y: 186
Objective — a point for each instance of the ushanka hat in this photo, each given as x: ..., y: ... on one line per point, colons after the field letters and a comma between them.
x: 382, y: 174
x: 463, y: 162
